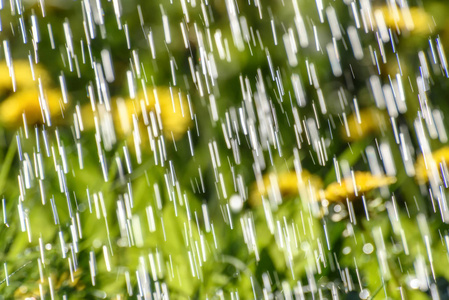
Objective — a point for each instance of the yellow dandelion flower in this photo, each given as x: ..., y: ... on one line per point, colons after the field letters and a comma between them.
x: 169, y: 113
x: 172, y: 106
x: 363, y: 181
x: 25, y: 98
x: 368, y: 121
x: 287, y: 183
x: 27, y: 101
x: 424, y: 167
x: 24, y: 76
x: 413, y: 19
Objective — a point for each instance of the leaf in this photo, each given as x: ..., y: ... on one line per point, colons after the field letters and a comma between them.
x: 351, y: 154
x: 6, y: 165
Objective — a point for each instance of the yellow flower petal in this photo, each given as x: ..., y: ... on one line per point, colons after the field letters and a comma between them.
x: 371, y: 120
x: 164, y: 116
x: 27, y: 101
x: 413, y: 19
x: 287, y: 183
x: 23, y: 76
x: 364, y: 182
x: 173, y: 111
x: 423, y: 168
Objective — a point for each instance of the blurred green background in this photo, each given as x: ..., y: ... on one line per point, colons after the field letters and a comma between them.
x: 224, y: 149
